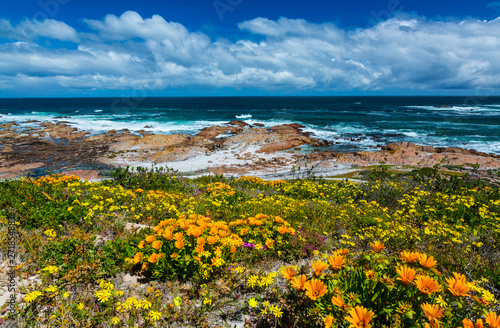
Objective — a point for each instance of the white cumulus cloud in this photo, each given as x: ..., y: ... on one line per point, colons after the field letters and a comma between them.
x: 33, y: 29
x: 130, y: 52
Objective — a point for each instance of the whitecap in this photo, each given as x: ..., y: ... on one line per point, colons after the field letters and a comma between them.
x: 411, y: 134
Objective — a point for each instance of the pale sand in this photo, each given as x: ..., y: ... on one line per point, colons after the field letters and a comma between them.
x: 233, y: 162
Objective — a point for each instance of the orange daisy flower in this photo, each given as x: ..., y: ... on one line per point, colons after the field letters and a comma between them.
x: 426, y: 262
x: 469, y: 324
x: 457, y: 285
x: 436, y: 325
x: 179, y: 244
x: 195, y: 232
x: 336, y: 261
x: 212, y: 239
x: 318, y: 267
x: 377, y: 246
x: 156, y: 244
x: 167, y: 234
x: 315, y: 288
x: 269, y: 243
x: 150, y: 238
x: 288, y: 273
x: 328, y: 321
x: 360, y: 317
x: 153, y: 258
x: 299, y: 281
x: 427, y: 285
x: 178, y: 236
x: 138, y: 258
x: 342, y: 251
x: 433, y: 313
x: 493, y: 320
x: 406, y: 274
x: 282, y: 230
x: 483, y: 300
x: 338, y: 301
x: 410, y: 257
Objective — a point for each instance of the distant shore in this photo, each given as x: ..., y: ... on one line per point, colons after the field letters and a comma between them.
x: 235, y: 148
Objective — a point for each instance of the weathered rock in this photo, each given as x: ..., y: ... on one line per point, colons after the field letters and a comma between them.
x: 176, y: 154
x: 322, y: 143
x: 284, y: 144
x: 292, y: 128
x: 7, y: 126
x: 406, y: 153
x: 61, y: 131
x: 27, y: 149
x: 238, y: 123
x: 463, y: 151
x: 251, y: 136
x: 150, y: 142
x: 408, y: 146
x: 209, y: 134
x: 13, y: 170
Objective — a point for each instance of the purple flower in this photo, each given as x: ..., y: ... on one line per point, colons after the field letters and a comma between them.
x: 248, y: 245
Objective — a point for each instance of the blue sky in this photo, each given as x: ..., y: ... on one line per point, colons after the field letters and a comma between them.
x: 248, y: 47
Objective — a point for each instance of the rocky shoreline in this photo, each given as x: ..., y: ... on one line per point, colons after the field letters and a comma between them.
x: 235, y: 148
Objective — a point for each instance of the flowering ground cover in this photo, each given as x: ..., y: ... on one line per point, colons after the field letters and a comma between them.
x: 150, y: 249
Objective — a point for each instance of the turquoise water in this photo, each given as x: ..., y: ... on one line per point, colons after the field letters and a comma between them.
x: 353, y: 123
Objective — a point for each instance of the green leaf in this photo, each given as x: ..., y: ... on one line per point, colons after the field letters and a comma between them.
x: 410, y: 314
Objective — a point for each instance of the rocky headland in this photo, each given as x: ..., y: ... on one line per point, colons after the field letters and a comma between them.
x: 235, y: 148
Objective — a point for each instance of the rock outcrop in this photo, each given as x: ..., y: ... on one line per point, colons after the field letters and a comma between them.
x: 46, y: 146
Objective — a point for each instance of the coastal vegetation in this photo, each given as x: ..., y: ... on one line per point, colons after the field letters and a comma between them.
x: 148, y: 248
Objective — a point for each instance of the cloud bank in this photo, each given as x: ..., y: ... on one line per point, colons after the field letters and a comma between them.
x: 132, y: 52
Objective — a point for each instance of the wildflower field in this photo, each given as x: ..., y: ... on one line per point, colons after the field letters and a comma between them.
x: 149, y: 249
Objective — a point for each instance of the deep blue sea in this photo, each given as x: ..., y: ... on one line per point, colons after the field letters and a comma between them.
x: 353, y: 123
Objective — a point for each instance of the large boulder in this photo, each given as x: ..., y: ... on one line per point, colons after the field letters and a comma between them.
x: 151, y: 142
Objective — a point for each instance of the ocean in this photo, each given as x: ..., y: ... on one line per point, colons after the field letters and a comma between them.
x: 352, y: 123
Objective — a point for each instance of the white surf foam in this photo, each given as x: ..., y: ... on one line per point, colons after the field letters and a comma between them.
x: 470, y: 110
x: 102, y: 125
x: 411, y: 134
